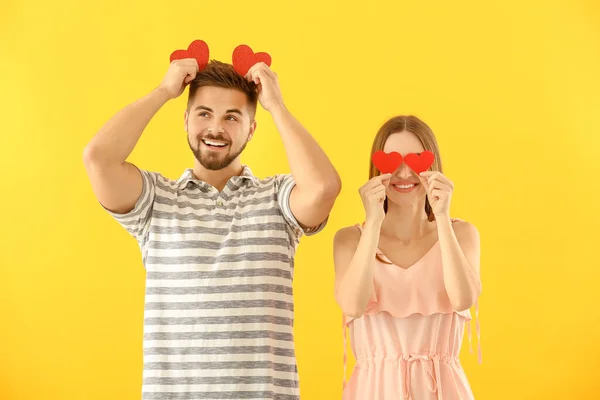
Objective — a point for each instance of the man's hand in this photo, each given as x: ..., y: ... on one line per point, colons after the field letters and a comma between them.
x: 269, y: 93
x: 179, y: 75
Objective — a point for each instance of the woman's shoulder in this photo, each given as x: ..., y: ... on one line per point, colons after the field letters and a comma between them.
x: 348, y: 234
x: 351, y: 230
x: 464, y: 229
x: 459, y: 223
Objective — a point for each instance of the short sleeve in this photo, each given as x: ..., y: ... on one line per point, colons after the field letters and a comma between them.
x: 285, y: 184
x: 137, y: 221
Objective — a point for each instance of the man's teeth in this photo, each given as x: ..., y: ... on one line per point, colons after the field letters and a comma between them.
x: 405, y: 186
x: 213, y: 143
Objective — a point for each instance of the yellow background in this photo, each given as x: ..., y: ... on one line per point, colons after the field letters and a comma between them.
x: 511, y: 90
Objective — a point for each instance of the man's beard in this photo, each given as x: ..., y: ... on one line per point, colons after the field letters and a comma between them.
x: 215, y: 161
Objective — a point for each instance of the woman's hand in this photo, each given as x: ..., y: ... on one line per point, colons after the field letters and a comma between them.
x: 439, y: 191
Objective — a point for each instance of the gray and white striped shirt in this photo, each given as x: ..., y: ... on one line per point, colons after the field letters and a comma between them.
x: 218, y: 319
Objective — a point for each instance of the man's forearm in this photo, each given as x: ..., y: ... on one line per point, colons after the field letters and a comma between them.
x: 310, y: 166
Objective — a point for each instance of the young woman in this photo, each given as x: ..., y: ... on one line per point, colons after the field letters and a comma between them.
x: 407, y: 277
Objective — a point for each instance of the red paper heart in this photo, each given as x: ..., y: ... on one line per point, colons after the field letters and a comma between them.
x: 387, y: 163
x: 420, y: 163
x: 243, y: 58
x: 198, y: 49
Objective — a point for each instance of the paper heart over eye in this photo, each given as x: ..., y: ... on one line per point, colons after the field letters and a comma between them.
x: 243, y: 58
x: 420, y: 162
x: 198, y: 49
x: 387, y: 163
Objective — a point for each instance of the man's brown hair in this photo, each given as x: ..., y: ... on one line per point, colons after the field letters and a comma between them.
x: 223, y: 75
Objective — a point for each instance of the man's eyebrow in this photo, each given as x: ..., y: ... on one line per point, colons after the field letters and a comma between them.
x: 234, y: 110
x: 230, y: 111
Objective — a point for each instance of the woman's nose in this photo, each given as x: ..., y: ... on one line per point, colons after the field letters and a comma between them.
x: 404, y: 172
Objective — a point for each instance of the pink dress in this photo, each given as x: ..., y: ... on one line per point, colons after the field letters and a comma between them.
x: 407, y: 342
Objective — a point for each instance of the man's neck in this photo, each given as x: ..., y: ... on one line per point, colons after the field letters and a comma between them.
x: 219, y: 178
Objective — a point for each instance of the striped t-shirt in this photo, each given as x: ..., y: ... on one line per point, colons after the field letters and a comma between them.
x: 218, y: 319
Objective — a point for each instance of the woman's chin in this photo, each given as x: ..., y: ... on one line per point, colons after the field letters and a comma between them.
x: 406, y: 199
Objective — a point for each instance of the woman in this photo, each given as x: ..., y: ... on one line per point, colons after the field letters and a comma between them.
x: 407, y: 277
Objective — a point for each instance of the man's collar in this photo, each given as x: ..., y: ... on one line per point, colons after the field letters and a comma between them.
x: 188, y: 176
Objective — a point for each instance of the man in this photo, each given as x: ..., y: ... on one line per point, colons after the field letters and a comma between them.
x: 218, y: 244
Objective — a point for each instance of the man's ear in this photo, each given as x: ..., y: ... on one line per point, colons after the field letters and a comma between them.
x: 252, y: 129
x: 186, y: 116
